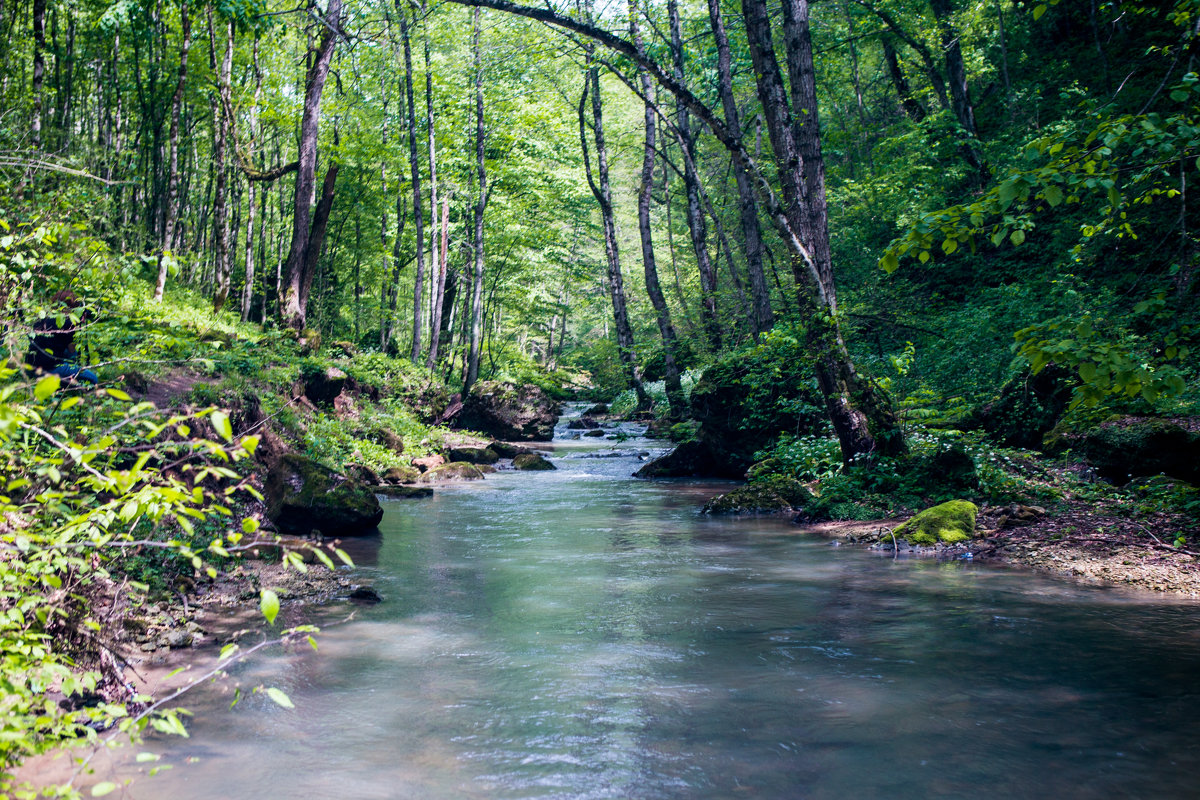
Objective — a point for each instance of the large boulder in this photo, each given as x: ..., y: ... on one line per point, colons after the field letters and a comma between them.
x: 532, y: 461
x: 1137, y: 447
x: 474, y: 455
x: 774, y: 494
x: 455, y: 471
x: 304, y: 495
x: 507, y: 411
x: 690, y: 460
x: 323, y: 387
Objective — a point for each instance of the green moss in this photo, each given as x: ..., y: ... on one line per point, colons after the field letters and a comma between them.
x: 951, y: 522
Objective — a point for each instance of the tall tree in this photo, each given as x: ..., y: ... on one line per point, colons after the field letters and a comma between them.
x: 415, y: 168
x: 697, y: 226
x: 764, y: 316
x: 223, y: 259
x: 671, y: 379
x: 303, y: 239
x: 172, y: 211
x: 480, y: 207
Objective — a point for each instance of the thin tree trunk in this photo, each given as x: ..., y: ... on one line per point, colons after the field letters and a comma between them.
x: 960, y: 96
x: 294, y: 311
x: 437, y: 277
x: 671, y: 380
x: 39, y: 71
x: 320, y: 222
x: 415, y: 165
x: 248, y: 288
x: 439, y: 290
x: 747, y: 205
x: 603, y: 194
x: 172, y: 216
x: 480, y: 206
x: 220, y: 208
x: 912, y: 107
x: 697, y: 226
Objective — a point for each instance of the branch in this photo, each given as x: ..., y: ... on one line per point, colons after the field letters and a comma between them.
x: 36, y: 163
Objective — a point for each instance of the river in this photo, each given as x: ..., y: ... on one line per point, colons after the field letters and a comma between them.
x: 583, y: 634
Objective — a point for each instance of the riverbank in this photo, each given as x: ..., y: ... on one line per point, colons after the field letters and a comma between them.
x: 1095, y: 542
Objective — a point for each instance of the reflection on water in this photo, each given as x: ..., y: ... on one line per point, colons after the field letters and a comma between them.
x: 580, y: 634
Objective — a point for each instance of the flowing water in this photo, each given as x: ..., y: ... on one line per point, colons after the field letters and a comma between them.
x: 582, y: 634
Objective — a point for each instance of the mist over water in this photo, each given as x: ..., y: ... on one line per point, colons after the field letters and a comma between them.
x: 582, y: 634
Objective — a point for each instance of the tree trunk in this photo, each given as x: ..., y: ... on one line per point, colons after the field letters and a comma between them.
x: 39, y: 71
x: 220, y: 203
x: 172, y: 216
x: 437, y: 277
x: 912, y: 107
x: 603, y: 194
x: 248, y: 288
x: 480, y: 206
x: 294, y: 311
x: 415, y: 165
x: 697, y: 226
x: 673, y: 385
x: 320, y: 222
x: 437, y: 328
x: 960, y: 96
x: 861, y: 417
x: 747, y: 205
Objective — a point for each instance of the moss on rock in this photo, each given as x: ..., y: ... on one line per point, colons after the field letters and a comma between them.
x: 532, y: 461
x: 773, y: 494
x: 950, y: 523
x: 455, y: 471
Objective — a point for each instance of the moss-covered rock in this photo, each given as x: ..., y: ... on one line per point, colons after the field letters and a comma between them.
x: 1028, y: 406
x: 401, y: 474
x: 404, y: 492
x: 474, y: 455
x: 532, y: 461
x: 455, y: 471
x: 507, y: 450
x: 950, y: 523
x: 584, y: 423
x: 773, y: 494
x: 303, y: 495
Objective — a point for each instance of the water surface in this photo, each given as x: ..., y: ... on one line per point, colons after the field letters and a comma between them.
x: 582, y: 634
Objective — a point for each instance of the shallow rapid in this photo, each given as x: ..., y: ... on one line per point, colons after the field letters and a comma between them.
x: 583, y: 634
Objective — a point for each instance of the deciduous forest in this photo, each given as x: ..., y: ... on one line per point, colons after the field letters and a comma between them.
x: 263, y: 262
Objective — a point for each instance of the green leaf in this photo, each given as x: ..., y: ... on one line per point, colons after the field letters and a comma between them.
x: 101, y: 789
x: 250, y: 444
x: 280, y: 698
x: 249, y: 525
x: 1007, y: 192
x: 889, y: 263
x: 1018, y: 237
x: 220, y: 421
x: 47, y: 386
x: 1038, y: 10
x: 1053, y: 195
x: 119, y: 395
x: 949, y: 246
x: 269, y: 603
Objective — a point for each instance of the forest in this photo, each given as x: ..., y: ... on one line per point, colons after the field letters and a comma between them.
x: 868, y: 258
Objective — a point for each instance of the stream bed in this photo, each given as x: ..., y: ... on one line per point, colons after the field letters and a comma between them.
x: 583, y: 634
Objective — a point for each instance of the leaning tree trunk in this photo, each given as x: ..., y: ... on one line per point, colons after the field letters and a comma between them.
x: 295, y: 296
x: 747, y: 205
x: 320, y: 223
x: 480, y: 207
x: 172, y: 218
x: 673, y: 384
